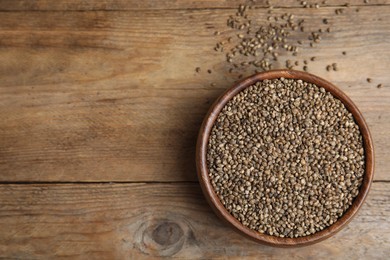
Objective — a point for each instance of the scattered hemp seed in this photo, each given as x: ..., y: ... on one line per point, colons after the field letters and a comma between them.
x: 325, y: 21
x: 339, y: 11
x: 369, y: 80
x: 197, y: 69
x: 286, y: 158
x: 213, y: 84
x: 334, y: 66
x: 209, y: 71
x: 379, y: 86
x: 305, y: 68
x: 313, y: 58
x: 328, y: 67
x: 344, y: 53
x: 251, y: 45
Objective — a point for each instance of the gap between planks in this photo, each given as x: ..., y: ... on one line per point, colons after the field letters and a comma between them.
x: 185, y: 9
x: 114, y: 182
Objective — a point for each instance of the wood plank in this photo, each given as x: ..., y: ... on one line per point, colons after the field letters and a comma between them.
x: 111, y: 221
x: 113, y: 96
x: 47, y: 5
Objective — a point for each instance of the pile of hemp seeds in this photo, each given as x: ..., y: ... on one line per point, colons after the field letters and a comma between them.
x: 286, y: 158
x: 260, y: 47
x: 279, y: 42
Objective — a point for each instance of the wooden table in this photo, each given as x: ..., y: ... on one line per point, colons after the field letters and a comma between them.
x: 100, y: 106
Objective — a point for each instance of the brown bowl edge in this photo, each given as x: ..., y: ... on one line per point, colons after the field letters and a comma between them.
x: 211, y: 196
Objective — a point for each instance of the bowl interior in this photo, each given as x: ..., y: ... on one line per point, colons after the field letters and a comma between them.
x: 212, y: 197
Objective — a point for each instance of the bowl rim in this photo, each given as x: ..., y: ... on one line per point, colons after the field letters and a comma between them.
x: 211, y: 196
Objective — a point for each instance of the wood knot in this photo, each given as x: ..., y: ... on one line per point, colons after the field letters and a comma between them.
x: 167, y: 233
x: 163, y: 237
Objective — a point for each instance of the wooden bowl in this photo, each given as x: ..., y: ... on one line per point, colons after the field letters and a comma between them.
x: 211, y: 196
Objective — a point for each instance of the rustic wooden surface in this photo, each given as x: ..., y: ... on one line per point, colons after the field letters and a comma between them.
x: 131, y: 221
x: 93, y: 93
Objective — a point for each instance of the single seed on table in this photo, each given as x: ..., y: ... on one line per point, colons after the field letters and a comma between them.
x: 305, y: 68
x: 328, y: 67
x: 313, y: 58
x: 325, y: 21
x: 344, y: 53
x: 369, y: 80
x: 197, y: 69
x: 209, y: 71
x: 217, y: 33
x: 213, y: 84
x: 379, y: 86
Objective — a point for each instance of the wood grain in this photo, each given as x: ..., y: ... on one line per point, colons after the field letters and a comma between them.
x: 68, y: 5
x: 108, y: 221
x: 105, y: 91
x: 113, y: 96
